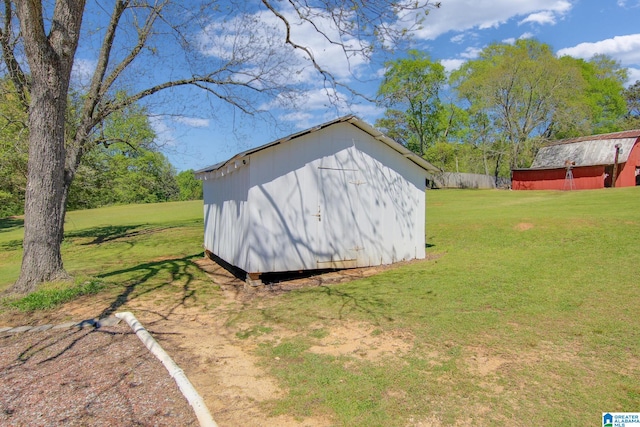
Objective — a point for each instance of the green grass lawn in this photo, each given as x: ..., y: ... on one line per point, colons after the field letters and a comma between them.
x: 526, y: 314
x: 128, y: 250
x: 528, y: 317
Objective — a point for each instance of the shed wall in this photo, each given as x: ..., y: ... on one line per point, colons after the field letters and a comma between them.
x: 336, y: 198
x: 226, y: 215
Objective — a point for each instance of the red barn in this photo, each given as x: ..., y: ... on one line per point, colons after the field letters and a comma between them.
x: 584, y: 163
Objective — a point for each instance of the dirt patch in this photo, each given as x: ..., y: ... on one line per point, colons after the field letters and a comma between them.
x: 481, y: 362
x: 524, y: 226
x: 484, y: 362
x: 363, y: 341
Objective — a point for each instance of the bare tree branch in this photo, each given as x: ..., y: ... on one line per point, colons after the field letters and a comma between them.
x: 8, y: 44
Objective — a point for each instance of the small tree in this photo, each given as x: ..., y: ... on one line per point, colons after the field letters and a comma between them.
x: 410, y: 92
x: 189, y: 187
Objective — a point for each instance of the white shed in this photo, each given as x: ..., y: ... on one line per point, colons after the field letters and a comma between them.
x: 339, y: 195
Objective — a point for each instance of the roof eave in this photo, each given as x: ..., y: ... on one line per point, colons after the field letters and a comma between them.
x: 634, y: 133
x: 352, y: 119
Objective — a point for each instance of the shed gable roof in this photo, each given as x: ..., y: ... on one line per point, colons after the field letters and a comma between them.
x: 351, y: 119
x: 586, y: 151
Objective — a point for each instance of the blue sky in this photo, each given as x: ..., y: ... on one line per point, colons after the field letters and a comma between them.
x: 206, y: 132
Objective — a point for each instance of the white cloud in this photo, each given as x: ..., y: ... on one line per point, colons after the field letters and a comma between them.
x: 471, y: 52
x: 464, y: 15
x: 512, y: 40
x: 367, y: 112
x: 540, y: 18
x: 319, y: 99
x: 624, y: 3
x: 193, y: 122
x: 264, y: 43
x: 82, y: 71
x: 464, y: 37
x: 309, y: 100
x: 625, y: 49
x: 302, y: 119
x: 634, y: 75
x: 452, y: 64
x: 381, y: 72
x: 164, y: 133
x: 457, y: 39
x: 318, y: 105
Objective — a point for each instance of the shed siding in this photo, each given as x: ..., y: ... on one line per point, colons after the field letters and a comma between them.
x: 226, y: 215
x: 283, y: 197
x: 334, y: 198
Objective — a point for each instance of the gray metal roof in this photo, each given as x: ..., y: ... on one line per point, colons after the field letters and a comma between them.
x: 634, y: 133
x: 586, y: 151
x: 351, y: 119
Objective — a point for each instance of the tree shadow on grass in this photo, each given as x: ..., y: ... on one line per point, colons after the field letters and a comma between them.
x: 371, y: 307
x: 109, y: 233
x: 178, y: 270
x: 6, y: 224
x: 11, y: 245
x: 10, y: 224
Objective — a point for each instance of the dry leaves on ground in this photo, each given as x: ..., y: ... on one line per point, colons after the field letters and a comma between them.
x: 86, y: 377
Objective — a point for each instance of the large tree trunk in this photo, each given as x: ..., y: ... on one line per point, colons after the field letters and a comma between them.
x: 44, y: 199
x: 50, y: 58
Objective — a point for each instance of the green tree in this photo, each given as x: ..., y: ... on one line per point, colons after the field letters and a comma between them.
x: 603, y: 93
x: 123, y: 174
x: 13, y: 151
x: 632, y: 98
x: 190, y: 188
x: 518, y: 94
x: 123, y: 167
x: 410, y: 92
x: 248, y: 65
x: 142, y: 176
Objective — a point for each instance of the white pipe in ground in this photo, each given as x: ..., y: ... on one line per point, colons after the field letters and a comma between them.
x: 187, y: 389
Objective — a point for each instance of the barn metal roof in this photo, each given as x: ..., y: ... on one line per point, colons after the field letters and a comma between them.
x: 635, y: 133
x: 586, y: 151
x: 352, y: 119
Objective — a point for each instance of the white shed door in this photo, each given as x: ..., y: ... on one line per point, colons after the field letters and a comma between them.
x: 340, y: 205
